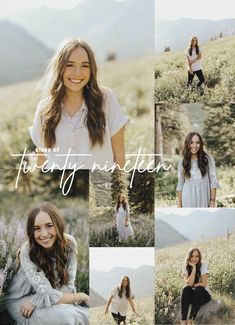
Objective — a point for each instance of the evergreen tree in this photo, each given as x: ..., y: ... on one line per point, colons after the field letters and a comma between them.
x: 141, y: 195
x: 219, y: 134
x: 118, y: 185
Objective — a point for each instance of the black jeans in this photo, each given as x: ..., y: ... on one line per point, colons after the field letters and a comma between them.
x: 119, y: 318
x: 197, y: 297
x: 200, y: 76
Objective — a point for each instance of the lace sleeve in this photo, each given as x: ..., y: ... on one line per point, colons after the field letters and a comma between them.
x: 72, y: 265
x: 212, y: 174
x: 45, y: 295
x: 180, y: 176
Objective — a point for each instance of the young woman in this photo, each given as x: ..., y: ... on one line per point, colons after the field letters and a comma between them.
x: 43, y: 289
x: 77, y: 116
x: 197, y: 181
x: 196, y: 292
x: 122, y: 219
x: 194, y: 55
x: 120, y: 296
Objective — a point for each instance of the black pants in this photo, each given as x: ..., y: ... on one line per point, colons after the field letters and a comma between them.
x: 197, y: 297
x: 200, y: 76
x: 119, y: 318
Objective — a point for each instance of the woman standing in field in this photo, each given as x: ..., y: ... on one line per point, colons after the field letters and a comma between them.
x: 194, y: 55
x: 77, y: 116
x: 119, y: 299
x: 43, y: 289
x: 196, y: 292
x: 197, y: 182
x: 122, y: 219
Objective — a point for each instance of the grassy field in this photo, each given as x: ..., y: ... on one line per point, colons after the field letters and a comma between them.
x: 132, y: 81
x: 144, y: 307
x: 218, y: 64
x: 219, y: 254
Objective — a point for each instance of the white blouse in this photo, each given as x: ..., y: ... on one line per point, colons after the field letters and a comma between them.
x: 119, y: 305
x: 72, y: 135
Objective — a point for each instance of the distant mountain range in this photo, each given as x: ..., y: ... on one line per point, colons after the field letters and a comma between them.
x: 142, y: 280
x: 22, y: 56
x: 123, y: 27
x: 166, y: 236
x: 200, y: 224
x: 176, y: 34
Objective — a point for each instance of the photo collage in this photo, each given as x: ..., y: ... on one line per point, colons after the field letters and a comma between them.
x: 117, y: 162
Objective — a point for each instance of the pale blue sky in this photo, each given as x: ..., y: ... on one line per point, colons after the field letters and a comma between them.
x: 200, y: 9
x: 104, y: 259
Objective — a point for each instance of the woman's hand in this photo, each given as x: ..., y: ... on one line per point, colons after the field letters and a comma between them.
x: 126, y: 224
x: 27, y: 308
x: 212, y: 204
x: 81, y: 297
x: 136, y: 314
x: 193, y: 265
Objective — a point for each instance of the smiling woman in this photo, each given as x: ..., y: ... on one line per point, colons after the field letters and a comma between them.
x: 43, y: 289
x: 197, y: 182
x: 77, y: 116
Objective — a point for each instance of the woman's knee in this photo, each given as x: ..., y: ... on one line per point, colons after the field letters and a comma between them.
x: 187, y: 291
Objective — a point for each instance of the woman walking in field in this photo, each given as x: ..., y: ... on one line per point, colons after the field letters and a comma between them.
x: 43, y: 289
x: 194, y: 55
x: 77, y: 116
x: 122, y: 219
x: 197, y: 182
x: 119, y: 299
x: 196, y: 292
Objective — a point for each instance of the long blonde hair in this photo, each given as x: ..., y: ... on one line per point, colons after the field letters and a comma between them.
x: 52, y: 86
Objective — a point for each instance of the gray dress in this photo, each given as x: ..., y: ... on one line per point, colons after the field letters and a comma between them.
x: 30, y: 283
x: 196, y: 189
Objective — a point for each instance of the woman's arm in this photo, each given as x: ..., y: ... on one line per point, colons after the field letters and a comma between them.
x: 41, y: 158
x: 212, y: 198
x: 179, y: 194
x: 204, y: 281
x: 118, y: 147
x: 191, y: 278
x: 132, y: 306
x: 108, y: 304
x: 197, y: 58
x: 127, y: 214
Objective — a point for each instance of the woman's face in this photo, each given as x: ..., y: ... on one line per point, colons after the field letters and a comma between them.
x: 194, y: 258
x: 125, y: 282
x: 44, y: 230
x: 77, y: 71
x: 121, y: 198
x: 195, y: 144
x: 194, y: 41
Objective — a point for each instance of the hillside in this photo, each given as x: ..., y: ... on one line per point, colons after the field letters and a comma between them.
x: 95, y: 299
x: 201, y: 224
x: 22, y: 56
x: 176, y: 33
x: 219, y: 255
x: 144, y: 306
x: 166, y: 236
x: 105, y: 24
x: 218, y: 64
x: 104, y: 282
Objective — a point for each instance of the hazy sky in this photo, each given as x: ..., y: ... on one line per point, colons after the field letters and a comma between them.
x: 9, y: 8
x: 205, y: 9
x: 180, y: 212
x: 104, y: 259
